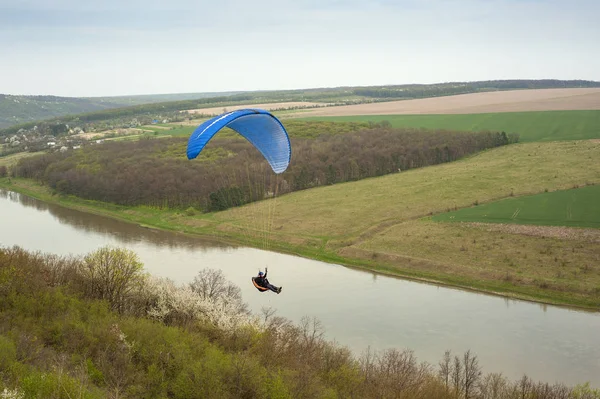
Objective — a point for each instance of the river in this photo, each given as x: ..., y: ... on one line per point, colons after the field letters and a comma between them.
x: 357, y: 309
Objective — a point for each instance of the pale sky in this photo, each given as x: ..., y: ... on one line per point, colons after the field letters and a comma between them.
x: 125, y: 47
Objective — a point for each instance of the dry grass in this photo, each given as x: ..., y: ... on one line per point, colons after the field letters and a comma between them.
x: 484, y: 254
x: 563, y: 233
x: 500, y: 101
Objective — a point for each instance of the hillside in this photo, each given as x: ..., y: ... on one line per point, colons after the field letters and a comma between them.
x: 16, y: 110
x: 70, y: 331
x: 19, y: 110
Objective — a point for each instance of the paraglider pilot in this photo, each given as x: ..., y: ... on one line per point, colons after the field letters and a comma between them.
x: 261, y: 280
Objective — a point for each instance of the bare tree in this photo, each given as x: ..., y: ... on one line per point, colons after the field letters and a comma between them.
x: 524, y: 387
x: 457, y: 376
x: 472, y: 372
x: 493, y: 386
x: 212, y: 284
x: 446, y: 369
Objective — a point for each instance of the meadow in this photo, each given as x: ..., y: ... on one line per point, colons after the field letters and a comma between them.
x: 539, y: 126
x: 578, y: 207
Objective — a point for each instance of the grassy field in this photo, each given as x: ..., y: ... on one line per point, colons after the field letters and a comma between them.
x: 350, y: 209
x: 541, y: 267
x: 576, y: 208
x: 378, y: 223
x: 531, y: 126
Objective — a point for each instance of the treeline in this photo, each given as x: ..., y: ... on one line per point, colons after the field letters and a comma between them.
x: 98, y: 326
x: 231, y: 172
x: 453, y: 88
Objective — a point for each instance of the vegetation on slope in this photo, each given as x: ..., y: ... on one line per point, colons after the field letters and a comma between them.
x: 69, y: 329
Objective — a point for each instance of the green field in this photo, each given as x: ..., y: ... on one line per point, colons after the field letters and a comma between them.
x: 575, y: 208
x: 531, y: 126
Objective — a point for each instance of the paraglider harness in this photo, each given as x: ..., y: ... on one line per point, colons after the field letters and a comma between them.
x: 258, y: 287
x: 262, y: 283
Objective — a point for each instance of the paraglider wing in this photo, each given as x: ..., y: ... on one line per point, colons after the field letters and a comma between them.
x: 258, y: 126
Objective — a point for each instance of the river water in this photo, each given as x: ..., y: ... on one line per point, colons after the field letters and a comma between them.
x: 357, y: 309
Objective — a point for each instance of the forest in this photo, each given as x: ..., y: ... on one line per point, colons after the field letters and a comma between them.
x: 231, y: 172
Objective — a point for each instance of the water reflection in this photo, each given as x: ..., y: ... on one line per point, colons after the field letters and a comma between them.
x: 126, y: 233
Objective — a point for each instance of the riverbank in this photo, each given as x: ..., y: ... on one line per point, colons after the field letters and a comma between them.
x: 415, y: 268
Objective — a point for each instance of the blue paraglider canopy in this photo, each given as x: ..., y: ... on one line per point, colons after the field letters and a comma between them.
x: 263, y: 130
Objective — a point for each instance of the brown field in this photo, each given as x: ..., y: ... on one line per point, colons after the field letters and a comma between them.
x: 268, y: 107
x: 498, y: 101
